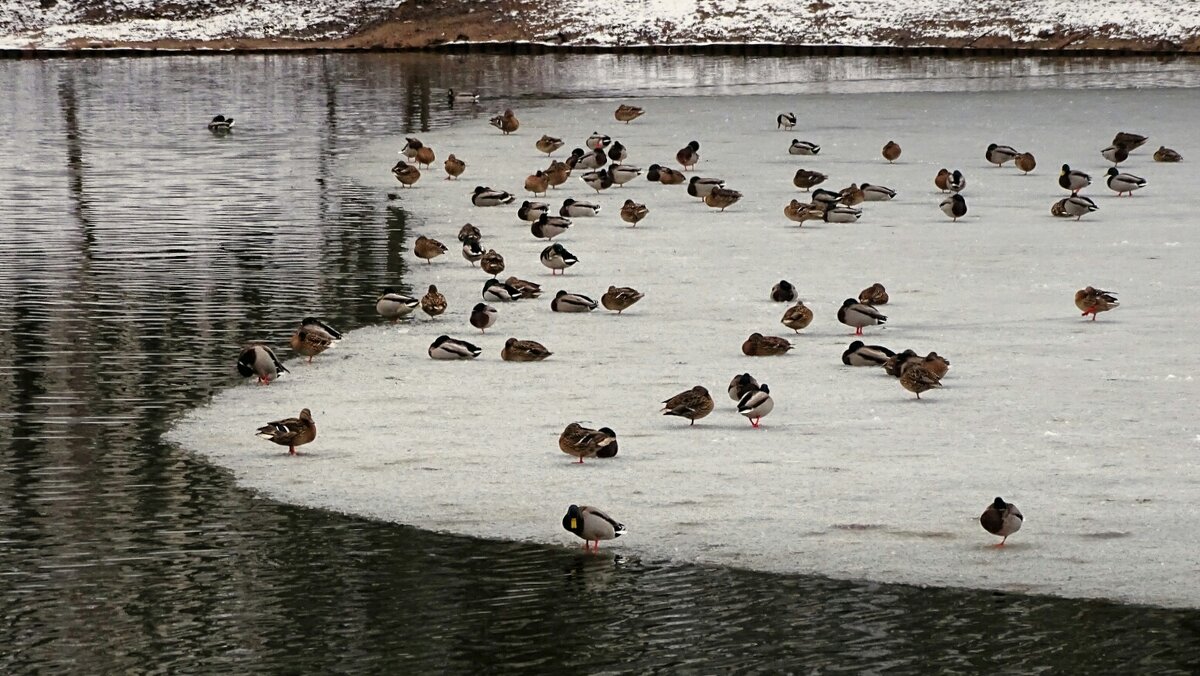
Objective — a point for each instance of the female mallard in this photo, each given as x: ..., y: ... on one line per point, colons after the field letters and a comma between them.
x: 954, y: 206
x: 472, y: 251
x: 428, y: 248
x: 597, y: 141
x: 740, y: 385
x: 259, y: 360
x: 557, y: 173
x: 877, y: 193
x: 425, y: 156
x: 797, y: 317
x: 852, y: 195
x: 557, y: 258
x: 799, y: 147
x: 433, y: 303
x: 833, y: 214
x: 918, y: 379
x: 692, y: 404
x: 756, y: 404
x: 492, y: 262
x: 1128, y: 141
x: 290, y: 432
x: 701, y: 187
x: 1059, y: 208
x: 936, y: 364
x: 571, y: 302
x: 454, y: 167
x: 484, y: 196
x: 875, y: 294
x: 858, y: 354
x: 998, y: 154
x: 897, y: 364
x: 469, y: 232
x: 891, y: 151
x: 523, y: 350
x: 1073, y: 180
x: 1124, y: 183
x: 406, y: 173
x: 617, y: 153
x: 220, y: 124
x: 799, y: 212
x: 314, y: 337
x: 591, y: 524
x: 942, y: 180
x: 445, y: 348
x: 806, y: 179
x: 1026, y: 162
x: 530, y: 212
x: 758, y: 345
x: 393, y: 306
x: 1165, y: 154
x: 537, y: 183
x: 628, y: 114
x: 632, y: 212
x: 494, y: 289
x: 454, y: 96
x: 957, y: 182
x: 859, y: 315
x: 506, y: 122
x: 598, y: 180
x: 548, y: 144
x: 665, y: 175
x: 722, y: 198
x: 785, y: 121
x: 1115, y: 154
x: 549, y: 227
x: 593, y: 160
x: 484, y: 316
x: 1001, y: 518
x: 784, y: 292
x: 526, y: 288
x: 582, y: 442
x: 688, y: 155
x: 1094, y: 301
x: 578, y: 209
x: 620, y: 298
x: 1078, y: 205
x: 623, y: 173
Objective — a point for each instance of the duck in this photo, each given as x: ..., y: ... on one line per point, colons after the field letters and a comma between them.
x: 806, y: 179
x: 1115, y: 154
x: 784, y: 292
x: 593, y: 160
x: 799, y: 212
x: 689, y: 155
x: 313, y: 337
x: 692, y: 404
x: 1093, y: 301
x: 876, y: 294
x: 632, y: 212
x: 852, y: 195
x: 898, y: 363
x: 433, y: 303
x: 1059, y: 208
x: 834, y: 214
x: 557, y: 173
x: 472, y: 251
x: 1123, y: 183
x: 597, y: 141
x: 918, y: 379
x: 537, y: 183
x: 1078, y: 205
x: 954, y: 206
x: 1001, y: 518
x: 503, y: 292
x: 492, y: 262
x: 797, y: 317
x: 1129, y: 141
x: 620, y: 298
x: 618, y: 153
x: 523, y: 350
x: 406, y: 173
x: 506, y: 122
x: 445, y: 348
x: 548, y: 144
x: 859, y: 315
x: 591, y: 524
x: 557, y: 258
x: 1073, y: 180
x: 785, y: 121
x: 936, y: 364
x: 392, y: 305
x: 700, y: 187
x: 575, y: 158
x: 740, y: 385
x: 1165, y: 154
x: 428, y: 248
x: 722, y: 198
x: 532, y: 211
x: 628, y: 114
x: 221, y: 124
x: 957, y: 182
x: 623, y: 173
x: 549, y: 227
x: 571, y: 302
x: 665, y: 175
x: 583, y: 442
x: 425, y: 156
x: 290, y: 432
x: 758, y: 345
x: 454, y: 167
x: 578, y: 209
x: 998, y: 154
x: 858, y: 354
x: 826, y: 198
x: 891, y: 151
x: 470, y: 97
x: 756, y: 404
x: 799, y: 147
x: 484, y: 316
x: 598, y: 180
x: 259, y: 360
x: 484, y: 196
x: 1026, y: 162
x: 528, y: 289
x: 411, y: 146
x: 942, y: 180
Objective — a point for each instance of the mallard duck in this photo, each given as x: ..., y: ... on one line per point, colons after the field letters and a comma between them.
x: 954, y: 206
x: 504, y: 292
x: 891, y: 151
x: 469, y: 232
x: 447, y: 348
x: 411, y: 146
x: 689, y: 155
x: 1078, y: 205
x: 549, y: 227
x: 701, y: 187
x: 1059, y: 208
x: 756, y: 404
x: 406, y: 173
x: 758, y: 345
x: 1073, y: 180
x: 797, y: 317
x: 548, y: 144
x: 692, y: 404
x: 472, y: 251
x: 313, y: 337
x: 575, y: 158
x: 1093, y: 301
x: 597, y: 141
x: 998, y: 154
x: 826, y: 198
x: 454, y: 96
x: 433, y: 303
x: 532, y: 211
x: 784, y: 292
x: 619, y: 298
x: 582, y: 442
x: 665, y: 175
x: 537, y: 183
x: 571, y: 302
x: 898, y: 363
x: 484, y: 196
x: 1026, y: 162
x: 858, y: 354
x: 1115, y: 154
x: 425, y: 156
x: 740, y: 385
x: 578, y: 209
x: 506, y: 122
x: 722, y: 198
x: 290, y: 432
x: 484, y: 316
x: 393, y: 306
x: 936, y: 364
x: 598, y: 180
x: 557, y: 258
x: 1165, y: 154
x: 628, y: 114
x: 918, y: 379
x: 799, y: 212
x: 1128, y: 141
x: 259, y: 360
x: 428, y: 248
x: 942, y: 180
x: 875, y: 294
x: 1123, y: 183
x: 957, y: 182
x: 617, y: 153
x: 834, y: 214
x: 859, y: 315
x: 852, y: 195
x: 623, y: 173
x: 785, y: 121
x: 523, y: 350
x: 492, y: 262
x: 557, y: 173
x: 591, y: 524
x: 799, y: 147
x: 1001, y: 518
x: 806, y: 179
x: 220, y: 123
x: 454, y: 167
x: 527, y: 289
x: 632, y: 212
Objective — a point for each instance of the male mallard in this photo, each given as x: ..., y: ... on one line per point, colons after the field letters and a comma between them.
x: 957, y: 182
x: 936, y: 364
x: 549, y: 227
x: 1115, y: 154
x: 598, y: 180
x: 758, y: 345
x: 557, y: 258
x: 877, y: 193
x: 858, y: 354
x: 784, y: 292
x: 578, y: 209
x: 469, y: 232
x: 526, y: 288
x: 859, y: 315
x: 523, y: 350
x: 875, y: 294
x: 722, y: 198
x: 998, y: 154
x: 891, y: 151
x: 1078, y: 205
x: 756, y: 404
x: 557, y: 173
x: 797, y: 317
x: 665, y: 175
x: 623, y: 173
x: 454, y: 96
x: 592, y: 160
x: 740, y: 385
x: 1001, y: 518
x: 628, y: 114
x: 619, y: 298
x: 472, y: 251
x: 506, y: 122
x: 833, y: 214
x: 633, y: 213
x: 898, y: 363
x: 1128, y: 141
x: 805, y: 179
x: 785, y: 121
x: 484, y: 316
x: 701, y: 187
x: 591, y: 524
x: 692, y: 404
x: 1165, y: 154
x: 1094, y: 301
x: 597, y: 141
x: 492, y: 262
x: 799, y: 147
x: 454, y: 167
x: 290, y: 432
x: 313, y: 337
x: 548, y: 144
x: 448, y: 349
x: 826, y: 198
x: 1026, y: 162
x: 428, y: 248
x: 484, y: 196
x: 393, y: 306
x: 494, y: 289
x: 571, y: 302
x: 406, y: 173
x: 954, y: 206
x: 1073, y: 180
x: 942, y: 180
x: 411, y: 146
x: 1124, y: 183
x: 530, y: 212
x: 220, y: 124
x: 617, y: 153
x: 918, y: 379
x: 572, y: 161
x: 433, y: 303
x: 537, y: 183
x: 259, y: 360
x: 582, y: 442
x: 689, y: 155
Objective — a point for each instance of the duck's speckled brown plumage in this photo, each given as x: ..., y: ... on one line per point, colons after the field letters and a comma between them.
x: 875, y: 294
x: 692, y: 404
x: 492, y: 262
x: 918, y: 379
x: 797, y: 317
x: 1093, y: 301
x: 891, y: 151
x: 628, y: 114
x: 454, y: 167
x: 506, y: 122
x: 290, y: 432
x: 619, y: 298
x: 523, y: 350
x: 582, y: 442
x: 433, y: 303
x: 805, y: 178
x: 428, y: 248
x: 758, y: 345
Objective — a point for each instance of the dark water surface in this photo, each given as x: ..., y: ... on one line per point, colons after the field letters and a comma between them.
x: 137, y: 252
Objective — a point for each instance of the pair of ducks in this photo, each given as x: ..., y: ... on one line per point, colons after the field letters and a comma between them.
x: 445, y: 348
x: 310, y: 339
x: 917, y: 374
x: 1000, y: 154
x: 753, y: 401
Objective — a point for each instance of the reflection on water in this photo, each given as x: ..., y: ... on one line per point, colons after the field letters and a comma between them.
x: 138, y: 251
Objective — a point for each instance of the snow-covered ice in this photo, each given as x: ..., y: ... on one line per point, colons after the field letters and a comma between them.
x: 1089, y: 427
